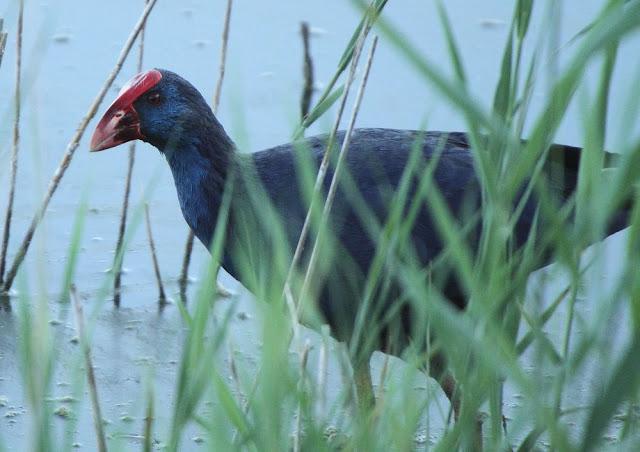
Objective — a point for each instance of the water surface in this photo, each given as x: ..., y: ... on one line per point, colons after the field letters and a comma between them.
x: 69, y: 49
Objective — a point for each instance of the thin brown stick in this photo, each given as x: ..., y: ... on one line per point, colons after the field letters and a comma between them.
x: 91, y: 378
x: 72, y: 146
x: 162, y: 298
x: 3, y: 40
x: 307, y: 70
x: 223, y: 57
x: 322, y: 170
x: 186, y: 260
x: 336, y: 177
x: 188, y: 248
x: 119, y: 257
x: 15, y: 148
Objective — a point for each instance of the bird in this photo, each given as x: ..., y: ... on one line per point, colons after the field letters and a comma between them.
x: 162, y: 108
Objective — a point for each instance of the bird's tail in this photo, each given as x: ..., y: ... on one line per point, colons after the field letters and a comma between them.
x: 562, y: 170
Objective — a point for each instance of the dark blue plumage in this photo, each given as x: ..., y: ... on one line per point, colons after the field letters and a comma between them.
x: 202, y: 157
x: 266, y: 189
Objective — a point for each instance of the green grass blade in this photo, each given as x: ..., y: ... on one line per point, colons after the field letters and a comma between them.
x: 454, y: 53
x: 502, y: 99
x: 523, y: 17
x: 622, y: 383
x: 74, y: 247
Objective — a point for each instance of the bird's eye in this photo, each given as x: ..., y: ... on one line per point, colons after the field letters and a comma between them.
x: 154, y: 98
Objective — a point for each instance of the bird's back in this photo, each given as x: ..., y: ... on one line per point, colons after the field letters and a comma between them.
x: 375, y: 169
x: 376, y: 162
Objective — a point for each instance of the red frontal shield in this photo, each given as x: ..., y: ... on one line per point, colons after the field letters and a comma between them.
x: 120, y: 122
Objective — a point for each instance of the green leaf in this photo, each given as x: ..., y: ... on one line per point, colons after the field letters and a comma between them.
x: 74, y: 247
x: 523, y: 17
x: 451, y: 43
x: 530, y: 440
x: 329, y: 95
x: 622, y: 384
x: 501, y: 99
x: 322, y: 107
x: 231, y: 408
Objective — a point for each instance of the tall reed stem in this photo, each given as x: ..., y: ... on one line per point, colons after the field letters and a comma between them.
x: 336, y: 178
x: 307, y: 70
x: 162, y: 298
x: 91, y: 377
x: 3, y: 40
x: 72, y: 147
x: 322, y: 170
x: 15, y: 148
x: 119, y: 257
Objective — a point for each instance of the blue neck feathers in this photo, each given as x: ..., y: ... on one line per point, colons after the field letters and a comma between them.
x: 200, y: 162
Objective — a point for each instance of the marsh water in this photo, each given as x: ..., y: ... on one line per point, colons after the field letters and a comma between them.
x: 70, y: 46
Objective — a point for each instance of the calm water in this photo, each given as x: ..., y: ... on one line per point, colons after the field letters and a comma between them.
x: 70, y: 47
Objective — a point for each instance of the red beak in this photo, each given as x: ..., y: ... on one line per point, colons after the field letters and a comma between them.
x: 121, y: 122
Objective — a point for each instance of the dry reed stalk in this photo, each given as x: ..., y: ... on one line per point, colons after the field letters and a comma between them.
x: 162, y: 298
x: 91, y: 378
x: 307, y: 70
x: 336, y: 177
x: 319, y: 180
x: 16, y: 140
x: 119, y: 257
x: 322, y: 170
x: 3, y: 40
x: 223, y: 57
x: 71, y: 148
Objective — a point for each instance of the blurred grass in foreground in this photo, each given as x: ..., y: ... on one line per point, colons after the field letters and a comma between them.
x: 504, y: 320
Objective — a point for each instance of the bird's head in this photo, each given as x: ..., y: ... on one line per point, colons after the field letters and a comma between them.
x: 156, y: 106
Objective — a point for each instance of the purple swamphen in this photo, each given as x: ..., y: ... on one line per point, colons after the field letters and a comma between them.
x: 163, y: 109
